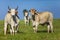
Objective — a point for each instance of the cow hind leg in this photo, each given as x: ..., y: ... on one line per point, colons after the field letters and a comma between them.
x: 51, y: 27
x: 48, y: 28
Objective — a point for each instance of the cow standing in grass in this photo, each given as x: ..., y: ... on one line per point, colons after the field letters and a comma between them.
x: 12, y: 19
x: 41, y: 18
x: 26, y: 17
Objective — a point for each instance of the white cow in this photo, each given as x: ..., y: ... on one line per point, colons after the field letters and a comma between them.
x: 12, y: 19
x: 26, y: 17
x: 42, y: 18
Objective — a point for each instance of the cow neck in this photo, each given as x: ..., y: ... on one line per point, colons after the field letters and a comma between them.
x: 27, y: 17
x: 33, y: 16
x: 14, y: 18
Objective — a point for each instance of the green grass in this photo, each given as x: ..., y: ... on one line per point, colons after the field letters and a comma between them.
x: 26, y: 32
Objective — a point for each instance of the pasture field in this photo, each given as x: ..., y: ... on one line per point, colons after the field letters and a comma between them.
x: 26, y: 32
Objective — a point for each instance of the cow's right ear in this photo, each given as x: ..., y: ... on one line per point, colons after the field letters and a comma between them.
x: 9, y: 12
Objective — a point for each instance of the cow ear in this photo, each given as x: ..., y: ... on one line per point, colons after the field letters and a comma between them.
x: 16, y: 8
x: 9, y: 12
x: 9, y: 8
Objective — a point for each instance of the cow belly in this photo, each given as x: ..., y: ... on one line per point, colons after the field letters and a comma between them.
x: 42, y: 21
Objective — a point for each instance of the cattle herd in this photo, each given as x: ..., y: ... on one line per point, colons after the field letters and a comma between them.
x: 37, y: 18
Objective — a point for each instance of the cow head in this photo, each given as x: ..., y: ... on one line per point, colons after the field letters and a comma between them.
x: 12, y: 11
x: 33, y: 11
x: 25, y: 12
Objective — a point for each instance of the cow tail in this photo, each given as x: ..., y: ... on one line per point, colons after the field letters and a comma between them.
x: 51, y: 17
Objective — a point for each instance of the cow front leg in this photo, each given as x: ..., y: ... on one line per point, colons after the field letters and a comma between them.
x: 16, y: 29
x: 5, y: 28
x: 35, y: 27
x: 12, y: 30
x: 25, y: 20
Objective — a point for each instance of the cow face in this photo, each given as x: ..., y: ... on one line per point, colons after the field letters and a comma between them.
x: 25, y: 12
x: 32, y: 11
x: 13, y: 11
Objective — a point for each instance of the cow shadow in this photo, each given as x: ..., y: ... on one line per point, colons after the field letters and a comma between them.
x: 43, y: 31
x: 18, y: 32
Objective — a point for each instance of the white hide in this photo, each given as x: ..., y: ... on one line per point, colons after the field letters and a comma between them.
x: 9, y: 20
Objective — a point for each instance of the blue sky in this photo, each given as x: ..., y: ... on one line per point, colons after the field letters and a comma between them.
x: 40, y: 5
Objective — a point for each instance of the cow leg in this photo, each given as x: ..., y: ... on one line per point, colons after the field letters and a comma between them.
x: 25, y: 20
x: 36, y: 28
x: 48, y: 28
x: 12, y: 29
x: 35, y: 25
x: 5, y: 28
x: 16, y: 28
x: 29, y: 21
x: 51, y: 27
